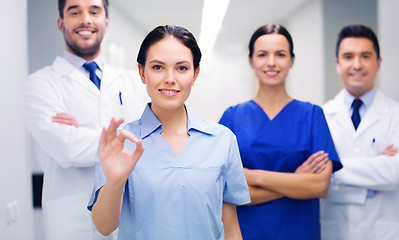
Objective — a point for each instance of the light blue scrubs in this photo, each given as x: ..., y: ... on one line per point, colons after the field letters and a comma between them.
x: 180, y: 196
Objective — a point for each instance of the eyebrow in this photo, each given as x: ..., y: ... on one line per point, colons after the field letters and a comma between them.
x: 364, y: 52
x: 72, y: 7
x: 180, y: 62
x: 77, y: 6
x: 278, y: 51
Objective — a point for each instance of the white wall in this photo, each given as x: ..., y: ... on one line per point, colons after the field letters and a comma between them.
x: 16, y: 196
x: 306, y: 78
x: 122, y: 40
x: 388, y: 30
x: 224, y: 80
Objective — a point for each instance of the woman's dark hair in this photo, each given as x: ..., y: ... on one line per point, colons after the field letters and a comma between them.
x: 358, y: 31
x: 271, y: 29
x: 180, y: 33
x: 61, y: 6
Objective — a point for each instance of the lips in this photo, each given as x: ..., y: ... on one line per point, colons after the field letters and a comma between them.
x: 271, y: 73
x: 357, y: 75
x: 85, y: 32
x: 169, y: 92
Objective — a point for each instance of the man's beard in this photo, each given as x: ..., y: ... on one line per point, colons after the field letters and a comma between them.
x: 83, y: 52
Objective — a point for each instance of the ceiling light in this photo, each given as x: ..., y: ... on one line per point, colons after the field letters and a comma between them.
x: 213, y: 13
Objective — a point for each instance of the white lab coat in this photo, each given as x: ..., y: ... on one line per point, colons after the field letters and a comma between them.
x: 65, y: 153
x: 347, y: 213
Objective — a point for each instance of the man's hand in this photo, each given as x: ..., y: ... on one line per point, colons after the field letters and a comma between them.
x: 66, y: 119
x: 390, y: 151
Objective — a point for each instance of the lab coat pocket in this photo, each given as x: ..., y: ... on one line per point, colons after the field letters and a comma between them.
x: 328, y: 230
x: 387, y: 230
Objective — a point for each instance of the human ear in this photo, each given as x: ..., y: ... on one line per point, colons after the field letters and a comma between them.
x: 250, y: 62
x: 196, y: 73
x: 60, y: 24
x: 141, y: 72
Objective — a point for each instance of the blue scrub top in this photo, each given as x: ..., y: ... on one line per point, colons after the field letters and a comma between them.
x: 179, y: 196
x: 280, y: 145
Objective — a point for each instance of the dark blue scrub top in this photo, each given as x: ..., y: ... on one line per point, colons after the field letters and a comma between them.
x: 280, y: 145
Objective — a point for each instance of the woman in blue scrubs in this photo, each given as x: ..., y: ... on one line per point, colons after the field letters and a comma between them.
x: 285, y: 146
x: 187, y: 181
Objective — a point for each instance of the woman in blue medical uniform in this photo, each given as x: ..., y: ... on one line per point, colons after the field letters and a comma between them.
x: 187, y: 181
x: 285, y: 146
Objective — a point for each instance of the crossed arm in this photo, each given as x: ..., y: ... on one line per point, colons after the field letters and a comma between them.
x: 310, y: 180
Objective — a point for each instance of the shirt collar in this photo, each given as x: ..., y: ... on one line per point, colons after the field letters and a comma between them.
x: 150, y: 123
x: 366, y: 98
x: 78, y: 62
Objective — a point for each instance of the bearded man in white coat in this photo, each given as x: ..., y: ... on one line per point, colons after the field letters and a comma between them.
x: 67, y: 105
x: 362, y: 201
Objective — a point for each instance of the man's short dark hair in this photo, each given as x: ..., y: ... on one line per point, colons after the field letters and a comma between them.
x: 358, y: 31
x: 61, y: 6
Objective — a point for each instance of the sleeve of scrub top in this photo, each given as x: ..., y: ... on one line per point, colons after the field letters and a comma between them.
x: 226, y: 118
x: 322, y: 139
x: 99, y: 182
x: 235, y: 187
x: 69, y: 146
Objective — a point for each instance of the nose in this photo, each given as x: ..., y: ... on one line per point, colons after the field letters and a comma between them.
x: 86, y: 18
x: 357, y: 64
x: 271, y: 61
x: 170, y: 77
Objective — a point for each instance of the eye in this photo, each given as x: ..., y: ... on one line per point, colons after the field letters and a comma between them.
x: 281, y: 54
x: 261, y: 55
x: 74, y: 13
x: 347, y: 57
x: 182, y: 68
x: 157, y: 67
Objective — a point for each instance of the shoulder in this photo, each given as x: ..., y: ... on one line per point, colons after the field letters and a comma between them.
x: 46, y: 71
x: 381, y: 98
x: 241, y: 107
x: 307, y: 107
x: 125, y: 76
x: 208, y: 127
x: 334, y: 105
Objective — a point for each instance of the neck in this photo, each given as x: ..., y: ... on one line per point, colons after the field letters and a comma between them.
x: 174, y: 121
x: 88, y: 58
x: 272, y: 96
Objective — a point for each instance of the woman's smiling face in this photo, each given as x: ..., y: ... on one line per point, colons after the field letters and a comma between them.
x: 168, y: 73
x: 271, y: 59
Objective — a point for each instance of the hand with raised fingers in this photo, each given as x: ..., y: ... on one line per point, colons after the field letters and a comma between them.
x: 116, y: 160
x: 316, y: 163
x: 66, y: 119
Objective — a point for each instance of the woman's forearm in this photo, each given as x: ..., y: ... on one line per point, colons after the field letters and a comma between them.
x: 261, y: 195
x: 107, y: 210
x: 293, y: 185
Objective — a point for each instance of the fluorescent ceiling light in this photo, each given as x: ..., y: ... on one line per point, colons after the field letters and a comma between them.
x: 212, y: 18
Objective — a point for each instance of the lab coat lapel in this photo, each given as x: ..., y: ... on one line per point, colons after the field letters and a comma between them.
x: 372, y: 115
x: 69, y: 73
x: 108, y: 75
x: 340, y: 113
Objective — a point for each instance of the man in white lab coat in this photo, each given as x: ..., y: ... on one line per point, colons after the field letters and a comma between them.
x: 66, y: 109
x: 362, y: 202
